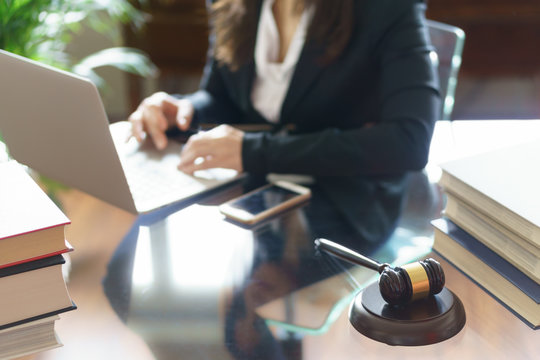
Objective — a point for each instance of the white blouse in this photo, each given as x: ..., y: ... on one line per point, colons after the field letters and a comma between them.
x: 272, y: 79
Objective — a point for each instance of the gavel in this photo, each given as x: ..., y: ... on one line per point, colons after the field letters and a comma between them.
x: 398, y: 285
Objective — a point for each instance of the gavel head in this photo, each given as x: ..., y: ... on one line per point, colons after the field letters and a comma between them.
x: 410, y: 282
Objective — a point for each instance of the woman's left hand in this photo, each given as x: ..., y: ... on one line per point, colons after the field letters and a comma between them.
x: 220, y: 147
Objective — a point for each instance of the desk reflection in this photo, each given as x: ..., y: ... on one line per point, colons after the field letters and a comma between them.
x: 196, y: 286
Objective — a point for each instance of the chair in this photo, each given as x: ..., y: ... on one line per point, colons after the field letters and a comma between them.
x: 424, y: 200
x: 448, y: 42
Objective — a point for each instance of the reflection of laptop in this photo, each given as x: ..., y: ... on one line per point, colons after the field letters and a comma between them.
x: 55, y: 123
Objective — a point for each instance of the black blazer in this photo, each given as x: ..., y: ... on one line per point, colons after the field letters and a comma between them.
x: 361, y: 123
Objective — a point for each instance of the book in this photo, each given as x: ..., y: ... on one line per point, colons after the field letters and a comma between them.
x: 33, y: 290
x: 503, y: 184
x: 498, y: 277
x: 31, y: 226
x: 29, y: 338
x: 507, y: 244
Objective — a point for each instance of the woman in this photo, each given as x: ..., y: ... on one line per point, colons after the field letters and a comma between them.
x: 347, y: 84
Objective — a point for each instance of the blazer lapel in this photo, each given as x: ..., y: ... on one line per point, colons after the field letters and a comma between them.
x: 244, y: 78
x: 305, y: 73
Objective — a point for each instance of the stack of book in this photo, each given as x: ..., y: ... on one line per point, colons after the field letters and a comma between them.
x: 32, y: 281
x: 491, y: 224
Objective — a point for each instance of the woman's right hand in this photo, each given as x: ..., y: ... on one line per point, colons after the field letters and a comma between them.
x: 158, y: 113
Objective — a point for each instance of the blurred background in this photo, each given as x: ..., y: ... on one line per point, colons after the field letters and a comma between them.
x: 499, y: 77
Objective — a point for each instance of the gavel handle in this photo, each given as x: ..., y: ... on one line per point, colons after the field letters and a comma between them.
x: 349, y: 255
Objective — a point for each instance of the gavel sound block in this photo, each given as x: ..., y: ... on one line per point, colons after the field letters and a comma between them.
x: 408, y: 306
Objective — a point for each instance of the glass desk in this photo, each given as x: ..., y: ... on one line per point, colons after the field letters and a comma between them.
x: 195, y: 284
x: 195, y: 278
x: 188, y: 284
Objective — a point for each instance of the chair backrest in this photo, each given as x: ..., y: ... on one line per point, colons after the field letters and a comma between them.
x: 448, y: 42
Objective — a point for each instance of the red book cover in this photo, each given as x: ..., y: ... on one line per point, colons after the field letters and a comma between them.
x: 31, y: 224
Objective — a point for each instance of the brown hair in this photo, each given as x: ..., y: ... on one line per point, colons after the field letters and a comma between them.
x: 235, y: 26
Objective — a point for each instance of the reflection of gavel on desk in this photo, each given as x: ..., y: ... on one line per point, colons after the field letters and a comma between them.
x: 397, y: 285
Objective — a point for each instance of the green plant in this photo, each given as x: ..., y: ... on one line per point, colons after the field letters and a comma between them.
x: 42, y: 30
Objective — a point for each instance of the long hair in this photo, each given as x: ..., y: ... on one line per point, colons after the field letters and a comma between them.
x: 234, y: 25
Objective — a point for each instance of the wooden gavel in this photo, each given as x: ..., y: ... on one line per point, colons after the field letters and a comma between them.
x: 397, y: 285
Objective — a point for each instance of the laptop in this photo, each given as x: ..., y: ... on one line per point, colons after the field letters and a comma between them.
x: 55, y: 123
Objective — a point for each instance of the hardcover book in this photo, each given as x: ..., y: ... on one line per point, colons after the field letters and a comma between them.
x: 29, y: 338
x: 31, y: 226
x: 33, y: 290
x: 503, y: 184
x: 509, y: 245
x: 497, y: 276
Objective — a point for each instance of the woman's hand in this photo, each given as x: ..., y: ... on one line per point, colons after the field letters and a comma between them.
x: 158, y: 113
x: 219, y: 147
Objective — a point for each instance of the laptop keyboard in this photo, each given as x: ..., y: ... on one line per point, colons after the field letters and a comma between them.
x: 149, y: 179
x: 154, y: 179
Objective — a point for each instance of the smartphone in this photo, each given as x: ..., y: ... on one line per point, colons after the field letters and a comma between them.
x: 264, y: 202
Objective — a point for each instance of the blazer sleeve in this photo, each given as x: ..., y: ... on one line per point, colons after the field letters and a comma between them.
x: 212, y: 102
x: 395, y: 142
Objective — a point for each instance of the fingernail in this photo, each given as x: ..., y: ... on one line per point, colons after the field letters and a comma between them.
x: 160, y: 144
x: 182, y: 122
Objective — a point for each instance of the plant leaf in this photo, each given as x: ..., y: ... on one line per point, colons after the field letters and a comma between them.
x: 126, y: 59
